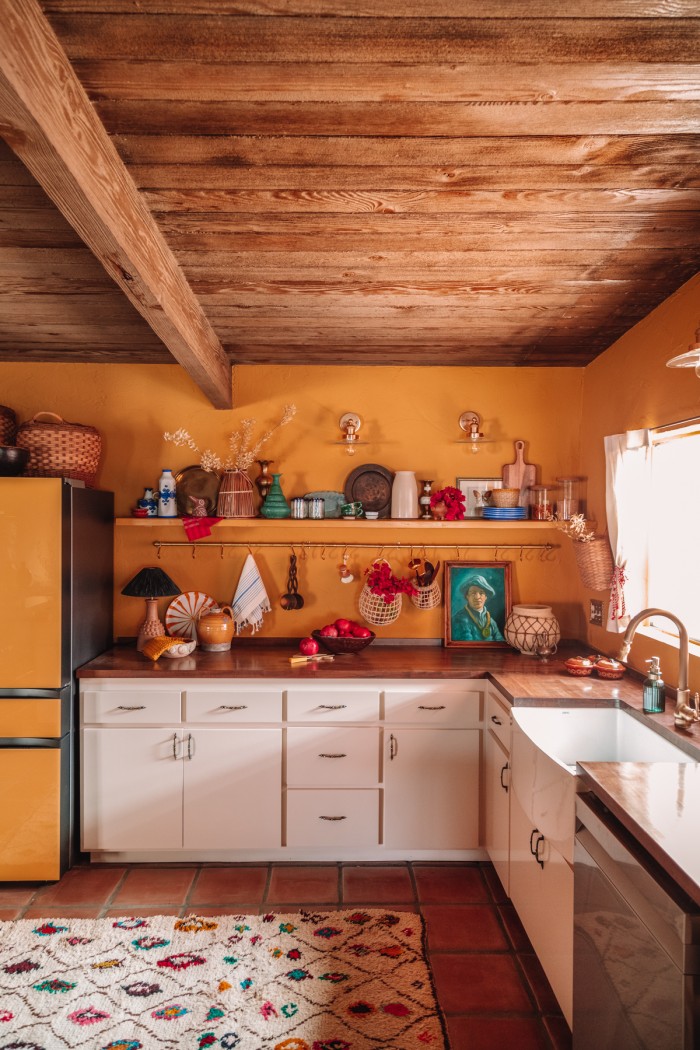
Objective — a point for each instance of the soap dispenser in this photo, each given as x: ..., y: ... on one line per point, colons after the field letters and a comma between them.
x: 653, y: 690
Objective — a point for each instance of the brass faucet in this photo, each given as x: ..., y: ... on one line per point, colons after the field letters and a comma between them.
x: 685, y: 713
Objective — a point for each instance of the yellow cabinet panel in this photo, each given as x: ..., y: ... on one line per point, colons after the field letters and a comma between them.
x: 30, y: 795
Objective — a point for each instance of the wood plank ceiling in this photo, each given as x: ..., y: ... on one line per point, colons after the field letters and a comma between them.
x: 377, y: 181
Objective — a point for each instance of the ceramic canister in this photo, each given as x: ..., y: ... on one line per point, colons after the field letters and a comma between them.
x: 215, y: 629
x: 404, y: 495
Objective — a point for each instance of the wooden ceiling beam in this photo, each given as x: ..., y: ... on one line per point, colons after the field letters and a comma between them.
x: 49, y: 122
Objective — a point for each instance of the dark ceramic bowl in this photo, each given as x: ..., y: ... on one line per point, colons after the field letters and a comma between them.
x: 13, y: 460
x: 340, y: 646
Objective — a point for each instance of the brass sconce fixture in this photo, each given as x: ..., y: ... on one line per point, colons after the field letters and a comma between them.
x: 469, y: 422
x: 690, y: 359
x: 350, y: 424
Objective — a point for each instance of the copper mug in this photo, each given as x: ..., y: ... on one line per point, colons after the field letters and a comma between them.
x: 215, y: 629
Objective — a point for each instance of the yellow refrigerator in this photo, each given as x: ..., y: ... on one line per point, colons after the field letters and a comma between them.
x: 56, y: 568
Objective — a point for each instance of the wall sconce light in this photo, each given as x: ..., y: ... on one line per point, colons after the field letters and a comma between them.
x: 690, y: 359
x: 350, y: 424
x: 469, y: 422
x: 150, y: 583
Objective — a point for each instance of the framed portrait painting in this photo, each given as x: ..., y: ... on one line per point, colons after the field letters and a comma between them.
x: 477, y: 603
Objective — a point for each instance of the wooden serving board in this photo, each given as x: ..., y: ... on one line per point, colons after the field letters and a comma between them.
x: 519, y: 475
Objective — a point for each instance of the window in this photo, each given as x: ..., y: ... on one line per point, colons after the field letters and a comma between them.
x: 673, y: 570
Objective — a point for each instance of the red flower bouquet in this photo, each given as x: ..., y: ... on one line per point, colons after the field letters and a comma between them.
x: 382, y: 581
x: 453, y: 500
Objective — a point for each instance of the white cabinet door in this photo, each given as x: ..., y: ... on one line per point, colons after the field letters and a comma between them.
x: 232, y: 788
x: 542, y: 890
x: 497, y: 806
x: 431, y: 781
x: 131, y: 789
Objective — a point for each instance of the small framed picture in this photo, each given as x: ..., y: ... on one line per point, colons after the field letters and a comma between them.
x: 477, y: 494
x: 477, y: 603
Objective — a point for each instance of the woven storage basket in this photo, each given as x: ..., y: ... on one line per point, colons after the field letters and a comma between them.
x: 595, y: 564
x: 375, y: 610
x: 505, y: 497
x: 8, y: 426
x: 427, y: 597
x: 58, y: 449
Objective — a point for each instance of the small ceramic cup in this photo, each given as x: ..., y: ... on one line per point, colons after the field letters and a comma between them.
x: 317, y: 508
x: 299, y: 507
x: 351, y: 510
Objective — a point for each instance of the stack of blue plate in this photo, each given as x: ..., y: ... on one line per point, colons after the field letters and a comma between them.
x: 505, y: 513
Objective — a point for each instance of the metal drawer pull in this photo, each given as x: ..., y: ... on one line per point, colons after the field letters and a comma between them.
x: 190, y: 748
x: 332, y: 707
x: 535, y: 831
x: 323, y: 755
x: 135, y: 707
x: 232, y: 707
x: 332, y: 818
x: 393, y: 747
x: 504, y: 786
x: 536, y: 852
x: 496, y: 720
x: 175, y: 743
x: 427, y: 707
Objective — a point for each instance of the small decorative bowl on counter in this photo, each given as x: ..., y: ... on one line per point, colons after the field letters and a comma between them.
x: 579, y: 666
x: 182, y: 648
x: 340, y: 646
x: 606, y: 667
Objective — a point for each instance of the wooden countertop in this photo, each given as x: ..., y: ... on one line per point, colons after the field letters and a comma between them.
x: 659, y: 803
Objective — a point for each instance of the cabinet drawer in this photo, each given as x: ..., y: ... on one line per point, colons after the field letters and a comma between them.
x: 234, y: 705
x: 134, y: 706
x: 435, y: 706
x: 332, y: 705
x: 498, y: 720
x: 332, y: 757
x: 332, y: 818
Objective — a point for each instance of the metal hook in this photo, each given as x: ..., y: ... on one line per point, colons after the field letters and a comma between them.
x: 159, y: 549
x: 222, y: 552
x: 521, y: 553
x: 250, y: 550
x: 323, y: 553
x: 194, y: 551
x: 303, y: 551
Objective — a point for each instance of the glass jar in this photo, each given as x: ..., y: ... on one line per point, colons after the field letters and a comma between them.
x: 542, y: 502
x: 568, y: 499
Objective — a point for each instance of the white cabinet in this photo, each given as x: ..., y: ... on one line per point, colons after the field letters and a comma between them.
x: 496, y: 787
x: 542, y: 890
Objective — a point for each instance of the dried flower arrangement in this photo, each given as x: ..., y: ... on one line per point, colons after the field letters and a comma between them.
x: 242, y: 452
x: 454, y: 502
x: 382, y: 582
x: 577, y: 529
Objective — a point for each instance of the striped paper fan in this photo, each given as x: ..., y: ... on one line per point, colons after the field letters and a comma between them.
x: 183, y: 612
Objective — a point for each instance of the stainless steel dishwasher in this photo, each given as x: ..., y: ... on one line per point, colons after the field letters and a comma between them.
x: 636, y: 944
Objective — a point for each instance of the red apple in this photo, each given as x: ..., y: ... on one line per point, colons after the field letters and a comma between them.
x: 308, y: 646
x: 342, y: 624
x: 358, y: 631
x: 329, y: 631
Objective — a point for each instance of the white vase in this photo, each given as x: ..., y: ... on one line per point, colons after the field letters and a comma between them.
x: 404, y: 495
x: 530, y: 626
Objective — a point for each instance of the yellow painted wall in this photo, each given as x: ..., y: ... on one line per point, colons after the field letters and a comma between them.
x: 629, y: 387
x: 409, y: 422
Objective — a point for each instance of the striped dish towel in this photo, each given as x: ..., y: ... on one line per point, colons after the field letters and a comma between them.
x: 250, y: 600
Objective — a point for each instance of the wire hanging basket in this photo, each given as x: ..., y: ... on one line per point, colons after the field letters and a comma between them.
x: 427, y: 597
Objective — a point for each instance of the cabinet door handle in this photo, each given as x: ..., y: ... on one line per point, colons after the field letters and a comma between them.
x: 332, y: 818
x: 332, y: 707
x: 325, y: 755
x: 134, y: 707
x: 175, y: 747
x: 496, y: 720
x: 535, y: 831
x: 435, y: 707
x: 393, y: 747
x: 536, y: 851
x: 504, y: 786
x: 190, y: 747
x: 232, y: 707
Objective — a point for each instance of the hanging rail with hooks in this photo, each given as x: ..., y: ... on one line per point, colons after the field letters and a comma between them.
x: 398, y: 546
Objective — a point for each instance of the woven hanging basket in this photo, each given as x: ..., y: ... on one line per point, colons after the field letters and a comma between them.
x: 595, y: 564
x: 58, y: 449
x: 8, y: 426
x: 427, y: 597
x: 375, y: 610
x: 236, y: 496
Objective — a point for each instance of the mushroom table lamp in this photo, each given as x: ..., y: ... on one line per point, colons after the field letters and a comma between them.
x: 150, y: 583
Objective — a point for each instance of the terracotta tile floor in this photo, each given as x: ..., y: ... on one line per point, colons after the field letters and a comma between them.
x: 489, y: 983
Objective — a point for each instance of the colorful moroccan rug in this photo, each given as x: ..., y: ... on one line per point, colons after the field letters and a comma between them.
x: 341, y: 980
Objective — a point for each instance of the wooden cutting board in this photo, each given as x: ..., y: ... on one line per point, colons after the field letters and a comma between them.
x: 519, y: 475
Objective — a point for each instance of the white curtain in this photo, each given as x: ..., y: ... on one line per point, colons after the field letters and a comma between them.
x: 627, y: 481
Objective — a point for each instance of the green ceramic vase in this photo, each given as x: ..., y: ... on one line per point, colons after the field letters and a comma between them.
x: 275, y: 505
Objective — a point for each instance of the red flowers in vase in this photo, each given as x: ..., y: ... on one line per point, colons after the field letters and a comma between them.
x: 453, y: 500
x: 382, y: 581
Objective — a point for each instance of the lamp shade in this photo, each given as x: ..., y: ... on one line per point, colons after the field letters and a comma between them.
x: 150, y: 582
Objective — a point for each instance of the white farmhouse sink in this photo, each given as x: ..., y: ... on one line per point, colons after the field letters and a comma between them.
x: 549, y: 741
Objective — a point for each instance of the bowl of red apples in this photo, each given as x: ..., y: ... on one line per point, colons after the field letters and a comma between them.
x: 344, y: 636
